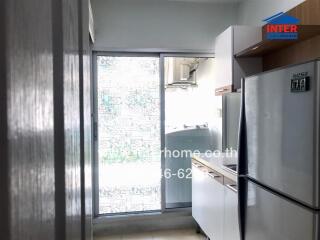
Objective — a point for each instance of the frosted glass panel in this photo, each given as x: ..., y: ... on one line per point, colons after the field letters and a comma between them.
x: 129, y: 134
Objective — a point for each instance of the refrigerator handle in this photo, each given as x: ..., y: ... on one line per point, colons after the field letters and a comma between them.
x: 242, y: 161
x: 242, y: 165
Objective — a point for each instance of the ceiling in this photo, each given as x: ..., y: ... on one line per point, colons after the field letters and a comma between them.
x: 201, y: 1
x: 206, y: 1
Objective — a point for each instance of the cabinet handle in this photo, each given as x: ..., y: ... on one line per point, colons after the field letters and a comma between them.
x: 200, y: 167
x: 214, y: 175
x: 222, y: 90
x: 232, y: 188
x: 195, y: 165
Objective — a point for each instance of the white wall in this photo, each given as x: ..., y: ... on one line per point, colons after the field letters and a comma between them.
x: 136, y: 24
x: 252, y: 12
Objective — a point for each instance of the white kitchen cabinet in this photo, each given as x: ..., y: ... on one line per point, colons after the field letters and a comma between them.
x: 208, y: 201
x: 198, y: 194
x: 230, y: 70
x: 224, y: 61
x: 231, y: 221
x: 215, y: 204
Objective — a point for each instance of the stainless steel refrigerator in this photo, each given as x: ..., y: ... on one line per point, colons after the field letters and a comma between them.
x: 279, y: 154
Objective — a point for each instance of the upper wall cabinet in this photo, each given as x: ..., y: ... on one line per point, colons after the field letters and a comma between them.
x: 279, y: 53
x: 230, y: 70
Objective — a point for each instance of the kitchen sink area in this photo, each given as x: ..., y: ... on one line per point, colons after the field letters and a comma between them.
x: 222, y: 163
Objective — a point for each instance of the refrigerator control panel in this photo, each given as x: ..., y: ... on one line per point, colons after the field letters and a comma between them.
x: 300, y: 84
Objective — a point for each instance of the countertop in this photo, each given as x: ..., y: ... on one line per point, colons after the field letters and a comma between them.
x: 217, y: 164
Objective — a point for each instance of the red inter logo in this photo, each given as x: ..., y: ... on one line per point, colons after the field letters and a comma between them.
x: 282, y: 26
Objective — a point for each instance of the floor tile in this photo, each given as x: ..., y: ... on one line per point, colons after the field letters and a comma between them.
x: 185, y: 234
x: 137, y: 236
x: 177, y: 234
x: 118, y: 237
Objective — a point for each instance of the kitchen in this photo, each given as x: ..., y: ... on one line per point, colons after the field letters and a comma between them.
x: 171, y: 119
x: 190, y: 122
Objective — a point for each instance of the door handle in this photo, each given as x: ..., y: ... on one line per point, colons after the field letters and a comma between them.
x: 232, y: 188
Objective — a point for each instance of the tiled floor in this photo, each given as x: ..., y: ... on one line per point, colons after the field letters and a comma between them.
x: 185, y: 234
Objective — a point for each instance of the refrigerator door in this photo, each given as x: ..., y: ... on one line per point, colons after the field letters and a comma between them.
x: 282, y: 130
x: 269, y: 216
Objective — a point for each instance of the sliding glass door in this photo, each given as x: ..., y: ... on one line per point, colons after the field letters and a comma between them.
x: 190, y: 121
x: 129, y: 139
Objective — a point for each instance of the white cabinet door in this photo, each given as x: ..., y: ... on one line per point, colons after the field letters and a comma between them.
x: 230, y: 225
x: 214, y: 206
x: 224, y: 59
x: 208, y: 202
x: 198, y: 195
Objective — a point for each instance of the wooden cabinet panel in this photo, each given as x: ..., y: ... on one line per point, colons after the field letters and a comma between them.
x: 309, y: 49
x: 308, y: 12
x: 300, y: 52
x: 281, y: 52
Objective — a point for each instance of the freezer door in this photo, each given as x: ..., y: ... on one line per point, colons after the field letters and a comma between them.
x: 282, y: 132
x: 271, y: 217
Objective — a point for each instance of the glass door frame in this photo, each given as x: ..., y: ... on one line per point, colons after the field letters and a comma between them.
x: 163, y: 143
x: 95, y: 162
